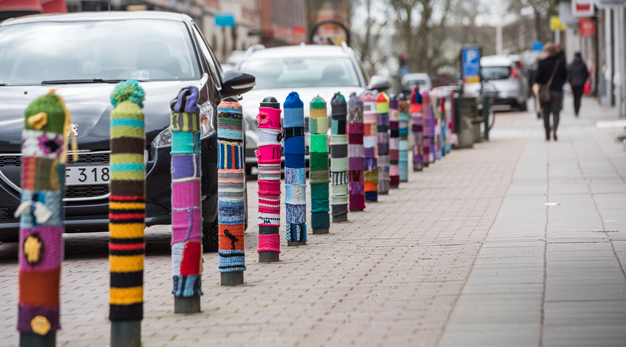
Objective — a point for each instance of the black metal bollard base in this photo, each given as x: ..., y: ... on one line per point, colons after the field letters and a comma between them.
x: 187, y: 305
x: 426, y: 164
x: 394, y: 187
x: 341, y: 218
x: 269, y: 257
x: 126, y: 334
x: 231, y: 278
x: 296, y: 243
x: 321, y: 231
x: 34, y: 340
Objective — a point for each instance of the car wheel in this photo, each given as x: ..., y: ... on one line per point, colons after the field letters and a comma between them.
x: 10, y: 237
x: 210, y: 237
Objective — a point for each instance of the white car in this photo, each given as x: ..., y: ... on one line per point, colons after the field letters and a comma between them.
x: 309, y: 70
x: 505, y: 75
x: 421, y: 80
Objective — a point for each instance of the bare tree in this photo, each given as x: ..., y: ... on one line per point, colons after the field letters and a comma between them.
x: 541, y: 11
x: 368, y: 45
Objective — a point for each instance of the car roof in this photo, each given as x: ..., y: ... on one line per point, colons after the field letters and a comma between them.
x: 416, y: 76
x: 496, y: 60
x: 300, y: 51
x: 97, y: 16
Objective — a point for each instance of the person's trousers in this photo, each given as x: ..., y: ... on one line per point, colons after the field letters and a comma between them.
x: 578, y: 95
x: 553, y: 107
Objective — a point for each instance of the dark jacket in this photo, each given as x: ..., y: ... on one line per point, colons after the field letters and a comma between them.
x: 577, y: 73
x: 545, y: 69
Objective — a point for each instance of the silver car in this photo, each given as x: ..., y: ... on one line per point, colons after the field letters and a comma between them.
x: 309, y: 70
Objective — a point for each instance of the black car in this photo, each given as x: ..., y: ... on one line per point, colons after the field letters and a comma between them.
x: 83, y: 55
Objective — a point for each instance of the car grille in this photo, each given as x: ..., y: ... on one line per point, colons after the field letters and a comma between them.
x: 10, y: 160
x: 7, y: 213
x: 83, y: 158
x: 89, y: 158
x: 87, y: 191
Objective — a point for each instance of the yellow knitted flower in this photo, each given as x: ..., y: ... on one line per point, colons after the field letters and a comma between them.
x: 32, y: 249
x: 40, y: 325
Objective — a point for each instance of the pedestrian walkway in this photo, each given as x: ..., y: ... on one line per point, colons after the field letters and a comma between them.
x: 465, y: 254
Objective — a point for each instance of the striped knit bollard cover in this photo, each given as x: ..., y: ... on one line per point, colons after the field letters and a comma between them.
x: 269, y: 160
x: 356, y: 154
x: 44, y: 150
x: 230, y: 192
x: 319, y: 175
x: 127, y: 208
x: 382, y: 108
x: 438, y: 137
x: 429, y: 129
x: 394, y: 142
x: 339, y: 158
x: 186, y: 204
x: 295, y: 182
x: 418, y: 130
x: 370, y: 141
x: 403, y: 131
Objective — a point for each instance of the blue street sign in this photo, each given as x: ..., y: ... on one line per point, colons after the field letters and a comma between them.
x: 471, y: 64
x: 537, y: 46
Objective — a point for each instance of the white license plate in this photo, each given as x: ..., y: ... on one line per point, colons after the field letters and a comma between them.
x: 83, y: 175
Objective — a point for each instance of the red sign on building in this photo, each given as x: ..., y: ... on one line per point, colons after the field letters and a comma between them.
x: 587, y: 27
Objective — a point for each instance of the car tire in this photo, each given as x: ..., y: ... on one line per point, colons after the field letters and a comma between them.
x: 10, y: 237
x: 210, y: 237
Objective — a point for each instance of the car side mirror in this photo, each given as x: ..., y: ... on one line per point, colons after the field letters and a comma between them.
x: 379, y: 83
x: 236, y: 83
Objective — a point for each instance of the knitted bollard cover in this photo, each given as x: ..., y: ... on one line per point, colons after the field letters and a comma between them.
x: 370, y: 141
x: 44, y: 150
x: 451, y: 138
x: 437, y: 108
x: 403, y: 143
x: 394, y: 142
x: 295, y: 182
x: 418, y: 130
x: 319, y: 175
x: 429, y: 129
x: 186, y: 205
x: 339, y: 156
x: 230, y: 186
x: 356, y: 154
x: 269, y: 160
x: 382, y: 108
x: 127, y: 202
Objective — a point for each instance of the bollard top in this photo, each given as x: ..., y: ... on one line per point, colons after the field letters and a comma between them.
x: 339, y: 105
x: 270, y: 102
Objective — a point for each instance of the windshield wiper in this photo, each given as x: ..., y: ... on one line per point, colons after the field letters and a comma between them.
x: 3, y: 84
x: 95, y: 80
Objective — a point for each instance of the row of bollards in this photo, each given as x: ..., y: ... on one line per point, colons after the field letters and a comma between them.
x: 369, y: 149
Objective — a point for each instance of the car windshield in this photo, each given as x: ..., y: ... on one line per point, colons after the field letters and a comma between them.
x: 415, y: 83
x: 302, y: 72
x: 149, y: 50
x: 491, y: 73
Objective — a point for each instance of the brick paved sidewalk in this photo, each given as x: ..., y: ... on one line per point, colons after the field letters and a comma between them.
x: 464, y: 254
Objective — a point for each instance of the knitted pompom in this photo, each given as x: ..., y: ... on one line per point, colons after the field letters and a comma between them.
x: 128, y: 90
x: 293, y: 101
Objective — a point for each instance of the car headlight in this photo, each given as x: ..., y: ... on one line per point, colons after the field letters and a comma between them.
x: 207, y: 128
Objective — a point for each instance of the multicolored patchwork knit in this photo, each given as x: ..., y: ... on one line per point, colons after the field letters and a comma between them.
x: 319, y: 175
x: 370, y: 142
x: 44, y: 150
x: 437, y: 103
x: 295, y: 182
x: 382, y: 108
x: 356, y: 154
x: 230, y: 186
x: 451, y: 137
x: 269, y: 160
x: 403, y: 131
x: 127, y: 208
x: 429, y: 129
x: 339, y: 162
x: 186, y: 192
x: 394, y: 142
x: 420, y: 143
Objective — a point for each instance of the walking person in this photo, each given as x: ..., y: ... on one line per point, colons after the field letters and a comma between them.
x: 577, y: 75
x: 551, y: 75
